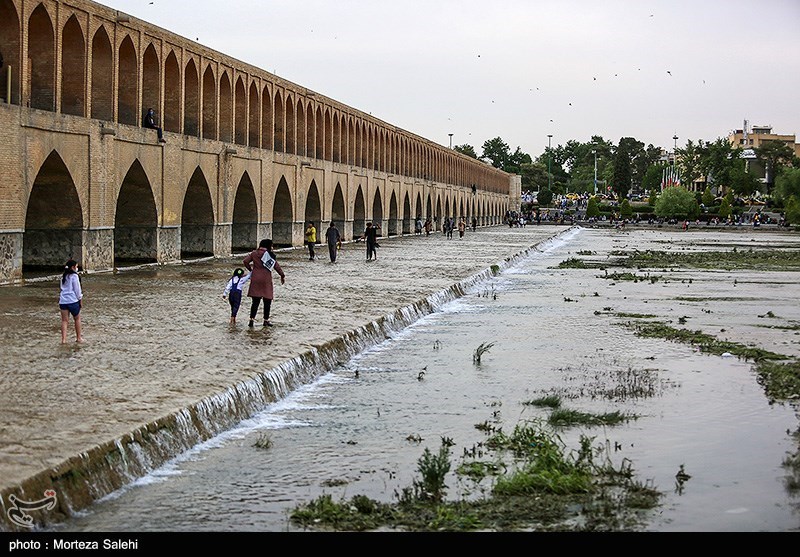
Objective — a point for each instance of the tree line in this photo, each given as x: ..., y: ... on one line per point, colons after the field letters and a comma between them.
x: 630, y: 166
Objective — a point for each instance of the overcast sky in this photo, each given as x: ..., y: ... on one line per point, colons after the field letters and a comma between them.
x: 521, y: 69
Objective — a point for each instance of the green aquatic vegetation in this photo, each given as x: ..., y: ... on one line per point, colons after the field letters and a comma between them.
x: 264, y: 441
x: 563, y: 417
x: 760, y: 259
x: 573, y: 263
x: 633, y: 277
x: 781, y: 327
x: 549, y: 401
x: 705, y: 342
x: 548, y: 488
x: 781, y: 380
x: 635, y: 315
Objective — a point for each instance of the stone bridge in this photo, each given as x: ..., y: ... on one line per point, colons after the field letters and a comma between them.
x: 248, y: 155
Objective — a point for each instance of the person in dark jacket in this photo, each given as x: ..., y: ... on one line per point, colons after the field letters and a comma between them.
x: 334, y: 240
x: 150, y: 122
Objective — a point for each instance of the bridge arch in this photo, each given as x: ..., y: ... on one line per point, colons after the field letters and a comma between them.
x: 338, y: 213
x: 240, y: 113
x: 266, y: 119
x: 438, y: 217
x: 225, y: 108
x: 310, y: 132
x: 10, y: 39
x: 407, y: 215
x: 279, y: 119
x: 171, y: 118
x: 253, y: 137
x: 244, y: 229
x: 313, y: 209
x: 209, y: 104
x: 282, y: 215
x: 102, y: 76
x: 53, y: 220
x: 136, y: 219
x: 41, y: 58
x: 290, y: 126
x: 128, y: 80
x: 359, y: 213
x: 377, y: 211
x: 191, y: 100
x: 197, y: 218
x: 151, y: 81
x: 73, y: 68
x: 393, y: 216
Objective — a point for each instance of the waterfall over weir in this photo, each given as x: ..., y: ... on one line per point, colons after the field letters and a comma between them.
x: 105, y: 468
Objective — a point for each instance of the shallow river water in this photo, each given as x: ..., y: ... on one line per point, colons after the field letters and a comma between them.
x: 361, y: 428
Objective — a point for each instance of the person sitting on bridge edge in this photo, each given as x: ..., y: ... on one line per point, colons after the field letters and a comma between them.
x: 150, y: 122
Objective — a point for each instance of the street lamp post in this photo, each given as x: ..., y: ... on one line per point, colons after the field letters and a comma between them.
x: 451, y: 140
x: 549, y: 156
x: 594, y: 152
x: 674, y: 156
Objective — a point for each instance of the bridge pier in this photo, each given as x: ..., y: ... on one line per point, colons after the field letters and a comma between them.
x: 11, y: 255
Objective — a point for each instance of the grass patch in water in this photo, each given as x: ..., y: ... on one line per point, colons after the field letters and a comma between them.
x: 781, y: 327
x: 781, y: 380
x: 635, y: 315
x: 549, y: 401
x: 573, y: 263
x: 547, y: 488
x: 705, y: 342
x: 563, y: 417
x: 633, y: 277
x: 760, y: 259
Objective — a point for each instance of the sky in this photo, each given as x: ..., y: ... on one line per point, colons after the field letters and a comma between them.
x: 520, y: 69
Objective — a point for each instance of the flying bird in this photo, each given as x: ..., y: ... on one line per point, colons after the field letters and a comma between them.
x: 421, y: 376
x: 669, y: 72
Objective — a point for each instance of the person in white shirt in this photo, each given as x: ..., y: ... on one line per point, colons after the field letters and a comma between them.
x: 70, y: 300
x: 233, y: 291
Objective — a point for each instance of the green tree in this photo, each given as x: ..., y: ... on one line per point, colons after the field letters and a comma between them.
x: 677, y: 202
x: 688, y: 161
x: 793, y: 210
x: 544, y: 197
x: 725, y: 209
x: 625, y: 209
x: 592, y: 208
x: 653, y: 199
x: 466, y: 149
x: 741, y: 181
x: 652, y: 178
x: 788, y: 184
x: 621, y: 180
x: 717, y: 160
x: 534, y: 175
x: 708, y: 197
x: 774, y: 155
x: 497, y: 152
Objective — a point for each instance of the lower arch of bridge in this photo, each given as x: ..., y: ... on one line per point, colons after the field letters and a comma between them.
x: 393, y: 221
x: 53, y: 221
x: 377, y: 212
x: 407, y: 218
x: 244, y: 230
x: 197, y: 219
x: 359, y: 213
x: 282, y: 216
x: 136, y: 220
x: 438, y: 215
x: 338, y: 212
x: 428, y: 209
x: 313, y: 210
